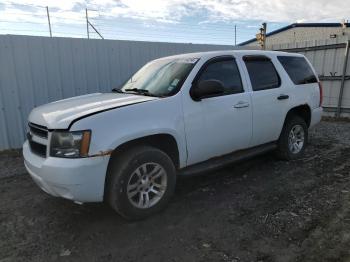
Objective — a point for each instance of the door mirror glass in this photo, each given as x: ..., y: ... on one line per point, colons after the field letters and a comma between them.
x: 206, y: 89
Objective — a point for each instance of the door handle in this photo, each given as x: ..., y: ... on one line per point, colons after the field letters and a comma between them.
x: 241, y: 104
x: 282, y: 97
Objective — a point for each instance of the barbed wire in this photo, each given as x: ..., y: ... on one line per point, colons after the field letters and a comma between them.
x: 74, y: 24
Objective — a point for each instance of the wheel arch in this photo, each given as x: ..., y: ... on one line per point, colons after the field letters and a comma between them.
x: 303, y: 111
x: 163, y: 141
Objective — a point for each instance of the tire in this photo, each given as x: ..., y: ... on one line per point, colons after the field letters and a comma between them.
x: 286, y: 150
x: 140, y: 172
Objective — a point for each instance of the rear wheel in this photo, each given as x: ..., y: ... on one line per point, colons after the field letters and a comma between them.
x: 293, y: 138
x: 141, y: 182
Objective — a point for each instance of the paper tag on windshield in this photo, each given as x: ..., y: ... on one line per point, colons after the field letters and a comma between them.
x: 173, y: 84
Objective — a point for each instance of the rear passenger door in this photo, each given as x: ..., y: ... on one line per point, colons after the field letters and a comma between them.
x: 269, y: 98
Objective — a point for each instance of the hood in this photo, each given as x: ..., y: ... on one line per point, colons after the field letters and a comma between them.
x: 59, y: 114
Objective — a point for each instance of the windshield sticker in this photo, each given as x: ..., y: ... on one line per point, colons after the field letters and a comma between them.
x: 173, y: 84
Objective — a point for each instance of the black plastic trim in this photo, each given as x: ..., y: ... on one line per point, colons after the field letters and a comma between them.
x: 220, y: 161
x: 256, y: 58
x: 38, y: 130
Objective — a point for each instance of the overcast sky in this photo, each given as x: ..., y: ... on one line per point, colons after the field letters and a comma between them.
x: 196, y: 21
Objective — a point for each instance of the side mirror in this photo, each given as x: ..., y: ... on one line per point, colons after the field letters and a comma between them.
x: 207, y: 88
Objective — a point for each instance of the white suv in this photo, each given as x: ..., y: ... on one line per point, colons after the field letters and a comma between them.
x: 176, y: 115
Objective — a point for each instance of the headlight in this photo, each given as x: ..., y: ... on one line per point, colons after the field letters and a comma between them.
x: 70, y: 144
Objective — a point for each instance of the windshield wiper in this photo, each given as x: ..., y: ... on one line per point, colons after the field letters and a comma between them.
x: 144, y: 92
x: 137, y: 90
x: 117, y: 90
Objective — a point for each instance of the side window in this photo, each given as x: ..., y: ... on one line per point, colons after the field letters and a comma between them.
x: 298, y: 69
x: 225, y: 71
x: 262, y: 73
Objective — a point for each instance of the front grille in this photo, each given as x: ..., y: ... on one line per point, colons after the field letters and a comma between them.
x: 38, y: 130
x: 38, y: 139
x: 37, y: 148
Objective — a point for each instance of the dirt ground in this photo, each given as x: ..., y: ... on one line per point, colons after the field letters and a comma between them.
x: 262, y: 209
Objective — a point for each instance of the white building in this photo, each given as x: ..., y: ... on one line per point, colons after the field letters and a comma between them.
x: 300, y: 32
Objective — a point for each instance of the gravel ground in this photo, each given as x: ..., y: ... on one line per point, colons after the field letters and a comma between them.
x: 261, y: 209
x: 11, y: 163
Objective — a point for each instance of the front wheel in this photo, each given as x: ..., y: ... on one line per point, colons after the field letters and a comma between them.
x: 293, y: 138
x: 141, y: 182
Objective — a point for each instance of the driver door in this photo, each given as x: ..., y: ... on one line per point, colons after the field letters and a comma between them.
x: 221, y: 124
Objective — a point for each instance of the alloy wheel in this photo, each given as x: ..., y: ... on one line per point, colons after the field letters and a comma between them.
x: 296, y: 139
x: 147, y: 185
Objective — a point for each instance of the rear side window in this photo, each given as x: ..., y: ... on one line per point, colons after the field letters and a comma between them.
x: 298, y: 69
x: 226, y: 71
x: 262, y: 73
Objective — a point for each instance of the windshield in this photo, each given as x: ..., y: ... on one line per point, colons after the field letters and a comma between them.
x: 159, y: 78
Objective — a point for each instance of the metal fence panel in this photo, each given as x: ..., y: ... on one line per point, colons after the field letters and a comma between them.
x: 37, y: 70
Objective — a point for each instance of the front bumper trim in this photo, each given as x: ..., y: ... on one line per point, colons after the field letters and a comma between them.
x: 80, y: 180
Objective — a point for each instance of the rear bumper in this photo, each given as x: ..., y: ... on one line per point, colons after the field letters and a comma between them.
x: 316, y: 116
x: 80, y: 180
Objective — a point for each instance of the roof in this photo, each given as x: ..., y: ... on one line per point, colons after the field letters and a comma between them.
x: 296, y: 25
x: 211, y: 54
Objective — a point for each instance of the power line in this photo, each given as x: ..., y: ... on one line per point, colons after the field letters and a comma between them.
x: 133, y: 34
x: 179, y: 25
x: 82, y: 19
x: 184, y: 27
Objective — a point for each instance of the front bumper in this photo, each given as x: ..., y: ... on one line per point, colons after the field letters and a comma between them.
x: 81, y: 180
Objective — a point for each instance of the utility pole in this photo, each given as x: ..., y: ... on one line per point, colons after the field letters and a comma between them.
x: 48, y: 19
x: 235, y: 35
x: 87, y: 23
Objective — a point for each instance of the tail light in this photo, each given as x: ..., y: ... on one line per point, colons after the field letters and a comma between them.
x: 321, y: 93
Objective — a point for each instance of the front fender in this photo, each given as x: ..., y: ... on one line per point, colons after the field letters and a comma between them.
x: 113, y: 128
x: 138, y: 135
